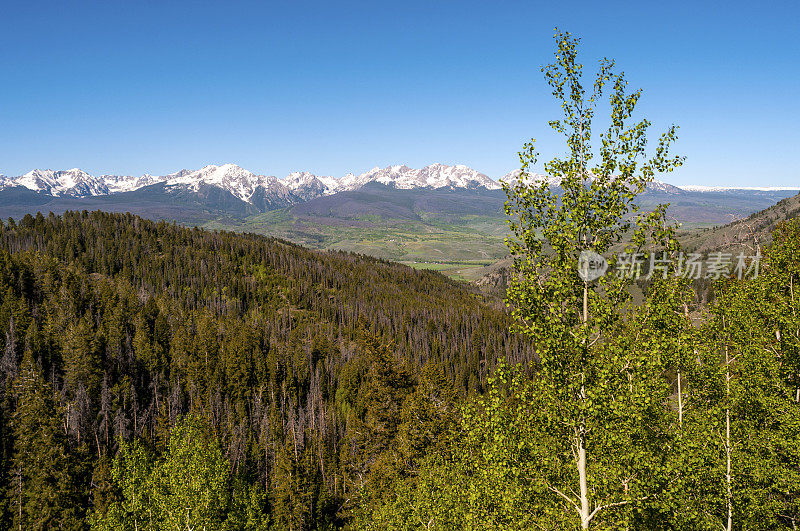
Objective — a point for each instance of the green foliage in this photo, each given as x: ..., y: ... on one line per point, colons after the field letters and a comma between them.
x: 752, y: 403
x: 188, y: 488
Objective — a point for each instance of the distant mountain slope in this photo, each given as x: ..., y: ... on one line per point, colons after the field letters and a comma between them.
x: 694, y: 205
x: 447, y: 226
x: 374, y: 199
x: 745, y: 233
x: 154, y: 202
x: 246, y: 193
x: 413, y: 225
x: 713, y: 207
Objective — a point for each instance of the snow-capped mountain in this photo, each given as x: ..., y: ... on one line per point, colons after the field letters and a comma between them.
x: 264, y: 191
x: 660, y: 186
x: 307, y: 186
x: 272, y: 193
x: 350, y: 182
x: 228, y: 191
x: 236, y: 180
x: 244, y: 184
x: 74, y: 182
x: 433, y: 176
x: 127, y: 183
x: 653, y: 186
x: 696, y: 188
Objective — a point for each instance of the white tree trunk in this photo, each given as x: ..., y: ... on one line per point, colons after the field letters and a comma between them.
x: 728, y: 475
x: 680, y: 401
x: 584, y: 489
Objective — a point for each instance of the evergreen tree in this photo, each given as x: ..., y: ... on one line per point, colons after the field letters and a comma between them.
x: 369, y: 452
x: 428, y: 415
x: 41, y: 488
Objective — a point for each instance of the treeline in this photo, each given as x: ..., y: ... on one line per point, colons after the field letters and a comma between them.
x: 145, y: 364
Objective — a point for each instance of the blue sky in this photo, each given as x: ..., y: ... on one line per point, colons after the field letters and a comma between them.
x: 333, y: 87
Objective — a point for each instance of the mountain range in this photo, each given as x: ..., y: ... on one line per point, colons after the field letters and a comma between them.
x: 297, y: 187
x: 439, y: 213
x: 248, y: 186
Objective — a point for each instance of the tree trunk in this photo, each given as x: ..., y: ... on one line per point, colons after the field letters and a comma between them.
x: 581, y: 433
x: 680, y: 401
x: 19, y: 496
x: 583, y: 486
x: 797, y: 334
x: 585, y: 317
x: 728, y: 476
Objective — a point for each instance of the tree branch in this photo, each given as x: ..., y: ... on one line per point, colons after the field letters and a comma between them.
x: 609, y: 505
x: 570, y: 500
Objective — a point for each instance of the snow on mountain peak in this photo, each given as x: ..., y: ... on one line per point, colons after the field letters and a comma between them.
x: 236, y: 180
x: 128, y: 183
x: 301, y: 179
x: 660, y: 186
x: 243, y: 183
x: 74, y: 182
x: 699, y: 188
x: 433, y: 176
x: 537, y: 178
x: 307, y: 186
x: 296, y: 187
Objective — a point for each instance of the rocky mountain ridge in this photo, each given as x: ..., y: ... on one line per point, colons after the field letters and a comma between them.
x: 296, y: 187
x: 248, y: 186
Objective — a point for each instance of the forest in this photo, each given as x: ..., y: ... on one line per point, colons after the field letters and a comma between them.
x: 293, y: 369
x: 158, y: 377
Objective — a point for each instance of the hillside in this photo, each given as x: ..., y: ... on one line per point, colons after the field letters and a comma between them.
x: 152, y: 202
x: 125, y: 325
x: 408, y: 225
x: 743, y: 234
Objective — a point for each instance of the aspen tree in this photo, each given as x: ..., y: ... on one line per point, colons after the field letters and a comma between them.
x: 750, y: 428
x: 590, y: 388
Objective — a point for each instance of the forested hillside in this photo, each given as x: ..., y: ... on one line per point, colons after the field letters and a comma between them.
x: 142, y: 360
x: 744, y: 233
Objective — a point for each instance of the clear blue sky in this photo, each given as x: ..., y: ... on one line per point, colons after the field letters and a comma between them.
x: 332, y: 87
